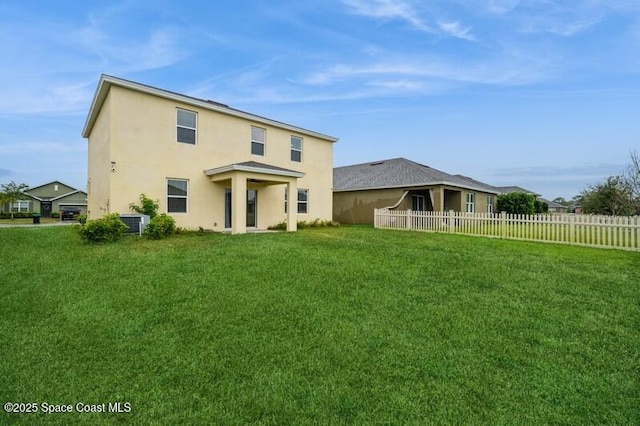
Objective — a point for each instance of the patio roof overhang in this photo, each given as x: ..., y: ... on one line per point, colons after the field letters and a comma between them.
x: 255, y: 168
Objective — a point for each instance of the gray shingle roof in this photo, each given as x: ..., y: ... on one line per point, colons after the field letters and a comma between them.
x: 510, y: 189
x: 397, y: 173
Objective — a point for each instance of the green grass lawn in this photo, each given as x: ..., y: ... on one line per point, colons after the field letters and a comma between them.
x: 327, y: 326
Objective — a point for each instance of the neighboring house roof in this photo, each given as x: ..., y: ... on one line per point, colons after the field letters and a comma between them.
x: 398, y: 173
x: 52, y: 197
x: 33, y: 188
x: 510, y: 189
x: 552, y: 204
x: 107, y: 81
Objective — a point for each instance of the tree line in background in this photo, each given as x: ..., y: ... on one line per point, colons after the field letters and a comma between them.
x: 618, y: 195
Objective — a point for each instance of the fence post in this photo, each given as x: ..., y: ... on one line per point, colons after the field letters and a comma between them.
x: 572, y: 229
x: 375, y: 218
x: 408, y: 224
x: 503, y: 224
x: 450, y: 220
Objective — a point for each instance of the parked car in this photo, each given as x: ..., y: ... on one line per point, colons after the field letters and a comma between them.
x: 69, y: 213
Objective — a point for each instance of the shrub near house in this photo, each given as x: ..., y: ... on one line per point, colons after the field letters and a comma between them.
x: 516, y: 203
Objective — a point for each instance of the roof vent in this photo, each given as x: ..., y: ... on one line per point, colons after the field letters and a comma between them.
x: 377, y: 163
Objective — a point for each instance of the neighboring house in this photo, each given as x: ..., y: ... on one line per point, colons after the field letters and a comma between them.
x: 207, y: 164
x: 403, y: 184
x: 49, y: 198
x: 553, y: 206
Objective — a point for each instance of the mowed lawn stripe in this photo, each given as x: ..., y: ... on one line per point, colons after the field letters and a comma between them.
x: 346, y: 325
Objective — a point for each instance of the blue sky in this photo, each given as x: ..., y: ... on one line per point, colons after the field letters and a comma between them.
x: 542, y: 94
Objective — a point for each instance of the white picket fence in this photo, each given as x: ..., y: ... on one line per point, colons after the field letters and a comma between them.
x: 618, y: 232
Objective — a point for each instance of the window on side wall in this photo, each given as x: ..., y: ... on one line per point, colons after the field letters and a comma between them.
x: 177, y: 193
x: 258, y: 136
x: 296, y: 149
x: 303, y: 201
x: 186, y: 127
x: 470, y: 202
x: 489, y: 203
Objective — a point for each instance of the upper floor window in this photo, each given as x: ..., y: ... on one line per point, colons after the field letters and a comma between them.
x: 258, y: 136
x: 186, y: 132
x: 470, y: 202
x: 489, y: 203
x: 296, y: 148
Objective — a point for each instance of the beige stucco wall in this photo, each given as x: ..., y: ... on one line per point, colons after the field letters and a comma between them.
x: 99, y: 164
x: 138, y: 132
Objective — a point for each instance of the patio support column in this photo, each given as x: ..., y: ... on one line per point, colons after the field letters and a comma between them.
x: 238, y: 204
x: 292, y: 208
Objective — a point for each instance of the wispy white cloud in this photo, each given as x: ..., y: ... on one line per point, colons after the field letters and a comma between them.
x: 56, y: 63
x: 454, y: 29
x: 512, y: 70
x: 388, y: 9
x: 501, y: 6
x: 404, y: 10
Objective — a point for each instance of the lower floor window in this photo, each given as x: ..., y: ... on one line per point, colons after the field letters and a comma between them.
x: 489, y: 203
x: 20, y: 206
x: 177, y: 192
x: 470, y: 202
x: 303, y: 201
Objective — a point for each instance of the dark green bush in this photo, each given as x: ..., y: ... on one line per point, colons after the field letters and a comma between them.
x: 160, y: 226
x: 81, y: 218
x: 107, y: 229
x: 16, y: 215
x: 516, y: 203
x: 541, y: 207
x: 55, y: 215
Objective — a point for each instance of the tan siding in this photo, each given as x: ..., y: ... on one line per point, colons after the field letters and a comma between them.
x: 356, y: 207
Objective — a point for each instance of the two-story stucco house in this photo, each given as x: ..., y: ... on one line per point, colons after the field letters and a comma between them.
x: 209, y: 165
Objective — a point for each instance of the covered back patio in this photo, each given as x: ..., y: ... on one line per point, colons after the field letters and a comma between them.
x: 243, y: 183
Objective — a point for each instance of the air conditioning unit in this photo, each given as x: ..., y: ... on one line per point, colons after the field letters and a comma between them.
x: 135, y: 222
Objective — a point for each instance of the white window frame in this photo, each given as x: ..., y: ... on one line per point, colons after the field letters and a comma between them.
x: 490, y: 205
x: 17, y: 206
x: 186, y: 197
x: 286, y: 201
x: 296, y: 149
x: 255, y: 141
x: 470, y: 204
x: 180, y: 126
x: 305, y: 203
